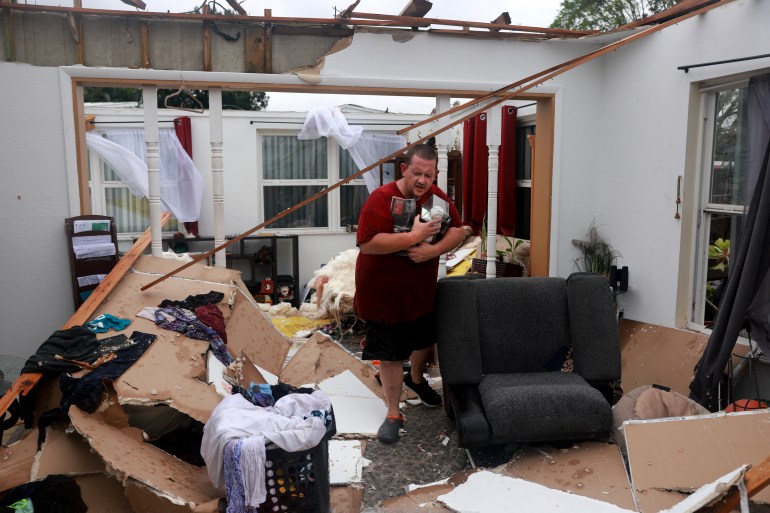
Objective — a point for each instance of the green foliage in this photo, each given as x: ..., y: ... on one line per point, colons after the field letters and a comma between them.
x: 597, y: 254
x: 720, y: 251
x: 606, y: 14
x: 231, y: 100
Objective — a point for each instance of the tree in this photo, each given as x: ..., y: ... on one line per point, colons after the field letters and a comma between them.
x: 231, y: 100
x: 606, y: 14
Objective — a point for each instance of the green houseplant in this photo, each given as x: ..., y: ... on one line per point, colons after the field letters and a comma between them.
x: 597, y: 255
x: 508, y: 262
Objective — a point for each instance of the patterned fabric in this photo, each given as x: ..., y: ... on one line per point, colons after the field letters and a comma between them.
x: 185, y: 322
x: 236, y: 495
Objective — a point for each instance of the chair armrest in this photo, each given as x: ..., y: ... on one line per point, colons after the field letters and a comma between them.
x: 472, y: 426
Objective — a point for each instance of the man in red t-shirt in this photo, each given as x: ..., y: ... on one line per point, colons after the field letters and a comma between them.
x: 396, y: 275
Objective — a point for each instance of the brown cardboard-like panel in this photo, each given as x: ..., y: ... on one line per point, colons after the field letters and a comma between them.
x: 197, y: 271
x: 422, y: 499
x: 346, y: 499
x: 126, y: 457
x: 653, y: 501
x: 321, y: 358
x: 144, y: 500
x: 168, y: 373
x: 103, y: 493
x: 16, y: 461
x: 685, y: 454
x: 65, y: 454
x: 590, y: 469
x: 652, y: 354
x: 250, y: 332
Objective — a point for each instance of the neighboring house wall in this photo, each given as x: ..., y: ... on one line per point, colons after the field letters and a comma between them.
x: 625, y: 128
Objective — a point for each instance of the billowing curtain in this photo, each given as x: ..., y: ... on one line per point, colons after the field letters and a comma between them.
x: 181, y: 184
x: 476, y: 168
x: 746, y: 297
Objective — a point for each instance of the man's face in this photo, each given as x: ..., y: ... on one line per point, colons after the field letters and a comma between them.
x: 418, y: 176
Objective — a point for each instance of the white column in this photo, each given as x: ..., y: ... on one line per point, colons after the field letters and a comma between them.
x: 150, y: 101
x: 442, y: 146
x: 217, y: 172
x: 494, y: 139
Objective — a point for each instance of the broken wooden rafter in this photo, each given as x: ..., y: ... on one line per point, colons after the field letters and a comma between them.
x: 135, y: 3
x: 416, y: 8
x: 345, y: 13
x: 503, y: 19
x: 237, y: 7
x: 675, y: 11
x: 534, y: 81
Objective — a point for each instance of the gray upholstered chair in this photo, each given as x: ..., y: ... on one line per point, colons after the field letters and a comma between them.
x: 501, y: 345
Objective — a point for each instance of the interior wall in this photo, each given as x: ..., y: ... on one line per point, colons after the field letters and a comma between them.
x: 35, y: 273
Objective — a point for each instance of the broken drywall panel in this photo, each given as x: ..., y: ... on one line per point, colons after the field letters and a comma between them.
x: 710, y: 492
x: 487, y: 492
x: 346, y: 462
x: 146, y: 500
x: 684, y: 454
x: 346, y: 499
x: 103, y: 493
x: 357, y: 410
x: 250, y: 332
x: 16, y: 461
x: 590, y: 469
x: 652, y: 354
x: 168, y: 373
x: 128, y: 457
x: 320, y: 358
x: 154, y: 267
x: 65, y: 454
x: 422, y: 499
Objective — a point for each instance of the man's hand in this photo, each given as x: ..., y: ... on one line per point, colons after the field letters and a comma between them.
x: 426, y: 230
x: 421, y: 252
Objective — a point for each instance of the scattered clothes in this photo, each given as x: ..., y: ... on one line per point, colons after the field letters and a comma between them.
x: 86, y: 392
x: 234, y: 487
x: 105, y: 322
x: 193, y: 302
x: 76, y: 343
x: 290, y: 424
x: 185, y: 322
x: 115, y: 344
x: 54, y: 494
x: 212, y: 316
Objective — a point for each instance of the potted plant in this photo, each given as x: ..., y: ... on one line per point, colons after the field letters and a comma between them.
x: 597, y: 255
x: 508, y: 262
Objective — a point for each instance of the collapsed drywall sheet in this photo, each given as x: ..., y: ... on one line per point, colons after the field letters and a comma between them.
x: 710, y: 492
x: 65, y: 454
x: 590, y: 469
x: 170, y: 373
x: 144, y: 499
x: 16, y: 461
x: 346, y: 499
x: 250, y: 332
x: 487, y: 492
x: 155, y: 267
x: 320, y: 358
x: 103, y: 493
x: 128, y: 457
x: 685, y: 454
x: 346, y: 462
x: 356, y: 409
x: 652, y: 354
x: 422, y: 499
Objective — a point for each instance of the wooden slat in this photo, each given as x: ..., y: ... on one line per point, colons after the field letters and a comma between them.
x: 206, y: 47
x: 27, y: 381
x: 756, y: 478
x: 255, y: 50
x: 144, y: 38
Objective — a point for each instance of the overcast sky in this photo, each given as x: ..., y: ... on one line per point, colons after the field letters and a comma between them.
x: 535, y: 13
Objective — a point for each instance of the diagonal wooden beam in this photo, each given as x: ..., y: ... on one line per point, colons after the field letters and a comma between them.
x: 539, y: 79
x: 756, y: 479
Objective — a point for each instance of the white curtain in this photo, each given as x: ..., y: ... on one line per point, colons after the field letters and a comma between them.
x: 181, y: 184
x: 365, y: 148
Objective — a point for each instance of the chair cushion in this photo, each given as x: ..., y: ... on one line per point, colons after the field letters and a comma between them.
x: 543, y: 406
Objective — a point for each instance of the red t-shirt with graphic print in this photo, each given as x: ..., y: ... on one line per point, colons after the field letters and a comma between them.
x: 391, y: 288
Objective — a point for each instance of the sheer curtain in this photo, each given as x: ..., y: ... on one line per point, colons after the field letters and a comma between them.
x: 181, y: 184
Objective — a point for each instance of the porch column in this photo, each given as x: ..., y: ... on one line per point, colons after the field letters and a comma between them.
x: 150, y: 100
x: 442, y: 147
x: 494, y: 139
x: 217, y: 173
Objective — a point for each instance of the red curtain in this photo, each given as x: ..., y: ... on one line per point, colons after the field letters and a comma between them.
x: 183, y: 131
x: 476, y: 168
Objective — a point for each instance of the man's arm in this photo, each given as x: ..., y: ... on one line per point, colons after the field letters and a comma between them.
x: 385, y: 243
x: 425, y: 251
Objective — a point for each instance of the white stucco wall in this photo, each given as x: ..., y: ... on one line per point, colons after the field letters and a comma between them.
x: 36, y: 294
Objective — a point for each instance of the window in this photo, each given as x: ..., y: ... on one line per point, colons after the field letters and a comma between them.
x: 293, y: 170
x: 110, y: 197
x: 725, y: 168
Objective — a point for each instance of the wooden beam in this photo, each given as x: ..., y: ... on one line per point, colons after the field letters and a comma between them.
x: 237, y: 7
x: 144, y: 31
x: 503, y: 19
x: 254, y: 49
x: 345, y: 13
x: 268, y: 44
x: 756, y: 479
x: 81, y: 154
x: 206, y: 46
x: 27, y: 381
x: 10, y: 46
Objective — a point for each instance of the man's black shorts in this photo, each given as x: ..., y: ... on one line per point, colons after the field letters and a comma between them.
x: 396, y: 341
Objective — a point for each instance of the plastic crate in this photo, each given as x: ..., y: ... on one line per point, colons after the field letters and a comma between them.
x: 298, y: 482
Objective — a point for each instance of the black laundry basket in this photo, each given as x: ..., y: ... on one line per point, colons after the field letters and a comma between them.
x: 298, y: 482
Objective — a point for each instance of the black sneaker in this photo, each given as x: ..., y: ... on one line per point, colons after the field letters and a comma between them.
x: 427, y: 395
x: 390, y: 430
